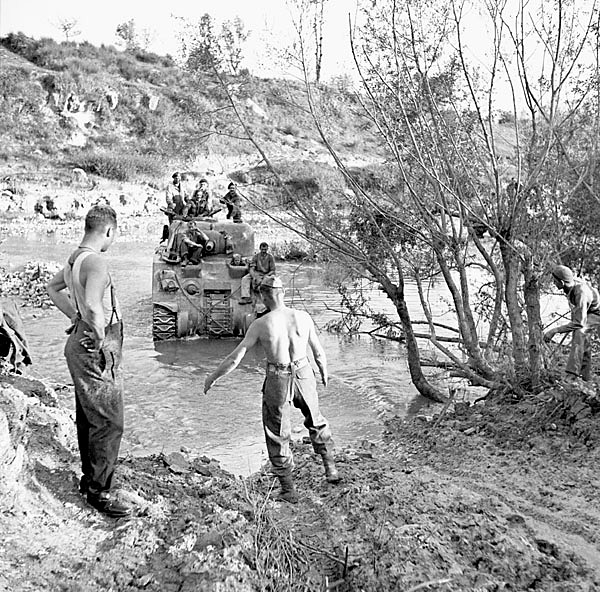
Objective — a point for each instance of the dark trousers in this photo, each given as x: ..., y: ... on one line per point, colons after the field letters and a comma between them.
x: 191, y: 254
x: 281, y: 389
x: 234, y: 213
x: 98, y: 381
x: 580, y: 356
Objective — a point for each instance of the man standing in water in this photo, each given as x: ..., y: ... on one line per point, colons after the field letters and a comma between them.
x: 286, y: 334
x: 93, y: 353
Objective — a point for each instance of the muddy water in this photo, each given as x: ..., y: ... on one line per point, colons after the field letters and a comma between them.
x: 165, y: 408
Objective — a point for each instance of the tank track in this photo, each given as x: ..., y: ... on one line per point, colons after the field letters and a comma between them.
x: 164, y: 323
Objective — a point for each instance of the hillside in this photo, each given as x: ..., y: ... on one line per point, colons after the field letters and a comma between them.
x: 130, y: 116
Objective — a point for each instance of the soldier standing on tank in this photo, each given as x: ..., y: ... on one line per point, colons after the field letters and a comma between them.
x: 233, y: 201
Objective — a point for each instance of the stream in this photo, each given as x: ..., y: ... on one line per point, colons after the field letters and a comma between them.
x: 164, y: 405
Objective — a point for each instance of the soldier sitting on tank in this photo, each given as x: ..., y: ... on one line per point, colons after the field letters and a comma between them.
x: 175, y: 203
x: 261, y: 266
x: 199, y: 205
x: 194, y: 244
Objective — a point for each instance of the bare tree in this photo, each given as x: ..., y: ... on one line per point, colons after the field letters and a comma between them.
x: 318, y: 21
x: 308, y: 18
x: 231, y: 42
x: 69, y: 29
x: 459, y: 173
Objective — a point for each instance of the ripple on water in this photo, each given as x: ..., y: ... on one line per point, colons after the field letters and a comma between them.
x: 164, y: 405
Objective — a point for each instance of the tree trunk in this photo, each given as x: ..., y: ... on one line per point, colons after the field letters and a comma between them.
x: 396, y: 295
x: 510, y: 258
x: 476, y: 359
x: 531, y: 291
x: 466, y: 323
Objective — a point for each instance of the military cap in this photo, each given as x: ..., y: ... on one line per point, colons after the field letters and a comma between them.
x: 270, y: 282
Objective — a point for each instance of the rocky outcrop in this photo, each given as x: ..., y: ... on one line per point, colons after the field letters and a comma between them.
x: 30, y: 416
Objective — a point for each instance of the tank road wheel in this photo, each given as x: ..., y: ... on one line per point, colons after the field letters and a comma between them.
x: 164, y: 323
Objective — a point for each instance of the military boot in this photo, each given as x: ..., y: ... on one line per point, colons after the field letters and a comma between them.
x: 103, y: 502
x: 288, y: 491
x: 331, y: 472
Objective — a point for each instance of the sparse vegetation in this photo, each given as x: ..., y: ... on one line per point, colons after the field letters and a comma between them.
x: 119, y: 166
x: 160, y: 109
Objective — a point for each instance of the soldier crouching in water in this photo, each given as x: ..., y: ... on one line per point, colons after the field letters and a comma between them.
x: 286, y: 334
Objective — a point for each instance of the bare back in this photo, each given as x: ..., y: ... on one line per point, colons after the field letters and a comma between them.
x: 285, y: 334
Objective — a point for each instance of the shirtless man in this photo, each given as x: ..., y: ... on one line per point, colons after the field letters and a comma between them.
x: 93, y: 353
x: 286, y: 334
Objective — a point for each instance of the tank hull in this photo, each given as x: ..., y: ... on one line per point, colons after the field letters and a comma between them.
x: 205, y: 298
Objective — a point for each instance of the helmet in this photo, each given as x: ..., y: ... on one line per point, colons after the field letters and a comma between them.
x: 562, y: 273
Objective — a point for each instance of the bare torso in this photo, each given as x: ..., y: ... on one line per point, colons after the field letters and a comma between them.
x: 284, y: 334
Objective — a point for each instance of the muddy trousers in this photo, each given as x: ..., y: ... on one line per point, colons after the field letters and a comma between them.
x: 580, y: 356
x: 281, y: 389
x: 98, y: 381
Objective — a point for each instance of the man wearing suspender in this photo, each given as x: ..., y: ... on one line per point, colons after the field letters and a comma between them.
x: 93, y: 353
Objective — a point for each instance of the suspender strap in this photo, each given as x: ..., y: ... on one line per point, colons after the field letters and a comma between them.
x: 76, y: 266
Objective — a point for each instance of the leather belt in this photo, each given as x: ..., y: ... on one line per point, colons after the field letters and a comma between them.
x: 275, y: 368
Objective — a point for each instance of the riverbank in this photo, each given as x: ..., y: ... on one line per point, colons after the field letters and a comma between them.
x: 501, y: 495
x: 497, y: 496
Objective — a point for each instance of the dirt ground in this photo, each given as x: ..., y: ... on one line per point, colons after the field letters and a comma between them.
x: 501, y: 495
x: 498, y: 495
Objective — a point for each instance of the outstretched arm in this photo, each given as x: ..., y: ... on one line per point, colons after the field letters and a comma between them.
x: 231, y: 362
x: 318, y: 352
x: 578, y: 318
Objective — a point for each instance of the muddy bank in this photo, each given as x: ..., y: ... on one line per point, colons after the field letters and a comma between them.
x: 499, y: 496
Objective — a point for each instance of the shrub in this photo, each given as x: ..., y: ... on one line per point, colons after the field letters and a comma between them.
x: 128, y: 67
x: 82, y: 65
x: 120, y: 166
x: 377, y: 178
x: 290, y: 129
x: 293, y: 250
x: 148, y: 57
x: 19, y: 43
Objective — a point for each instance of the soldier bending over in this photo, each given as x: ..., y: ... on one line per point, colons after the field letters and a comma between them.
x: 584, y: 302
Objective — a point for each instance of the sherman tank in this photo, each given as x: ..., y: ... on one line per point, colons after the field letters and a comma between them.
x: 202, y: 297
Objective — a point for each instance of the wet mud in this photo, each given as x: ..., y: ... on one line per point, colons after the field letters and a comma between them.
x: 501, y: 495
